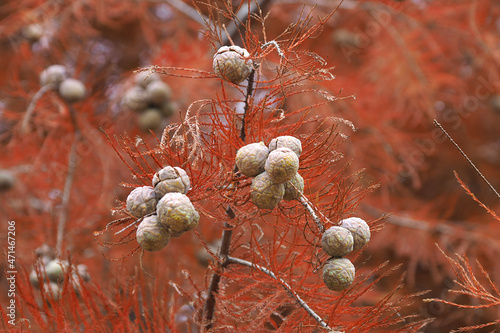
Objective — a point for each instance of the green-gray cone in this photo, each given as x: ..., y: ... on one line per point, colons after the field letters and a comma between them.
x: 53, y: 75
x: 232, y: 63
x: 177, y: 213
x: 338, y: 273
x: 136, y: 99
x: 151, y: 234
x: 72, y: 90
x: 265, y: 193
x: 171, y: 179
x: 55, y: 270
x: 141, y: 201
x: 359, y: 229
x: 250, y: 159
x: 145, y: 78
x: 282, y: 165
x: 337, y: 241
x: 286, y: 141
x: 158, y: 93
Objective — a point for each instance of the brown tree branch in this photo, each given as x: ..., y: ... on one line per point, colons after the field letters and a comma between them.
x: 209, y: 309
x: 63, y: 217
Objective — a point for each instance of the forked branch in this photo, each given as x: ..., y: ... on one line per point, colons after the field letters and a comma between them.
x: 302, y: 303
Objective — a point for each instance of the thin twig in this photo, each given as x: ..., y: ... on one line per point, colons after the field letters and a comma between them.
x: 301, y: 302
x: 132, y: 224
x: 466, y: 157
x: 31, y: 107
x: 276, y: 46
x: 310, y: 210
x: 63, y: 217
x: 142, y: 265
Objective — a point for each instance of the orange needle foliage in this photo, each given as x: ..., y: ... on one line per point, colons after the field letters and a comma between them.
x: 359, y: 82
